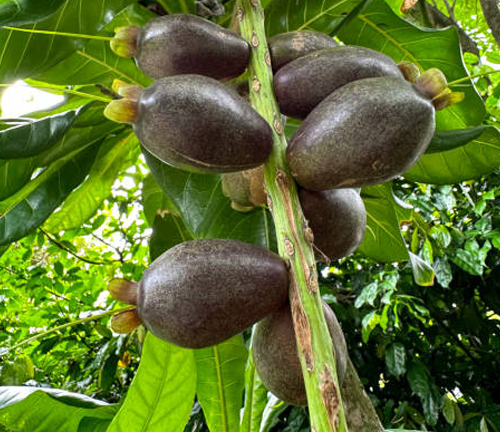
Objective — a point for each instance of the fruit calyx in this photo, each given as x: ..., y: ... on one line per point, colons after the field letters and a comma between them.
x: 434, y: 85
x: 123, y: 290
x: 410, y: 71
x: 124, y: 43
x: 125, y: 322
x: 126, y: 90
x: 122, y: 110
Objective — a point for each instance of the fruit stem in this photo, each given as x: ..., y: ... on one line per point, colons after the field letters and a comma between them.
x: 471, y: 77
x: 68, y: 91
x: 55, y: 33
x: 313, y: 340
x: 63, y: 326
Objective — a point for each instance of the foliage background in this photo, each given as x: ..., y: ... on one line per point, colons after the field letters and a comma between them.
x: 418, y: 303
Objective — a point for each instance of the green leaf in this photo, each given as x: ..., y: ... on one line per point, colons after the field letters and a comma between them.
x: 81, y: 205
x: 20, y: 12
x: 441, y: 235
x: 483, y: 426
x: 422, y: 386
x: 395, y: 359
x: 14, y: 174
x: 255, y: 399
x: 207, y: 213
x: 154, y: 200
x: 443, y: 271
x: 423, y: 273
x: 96, y: 63
x: 449, y: 140
x: 168, y: 231
x: 480, y: 157
x: 325, y: 16
x: 35, y: 410
x: 368, y: 324
x: 108, y: 372
x: 368, y: 295
x: 379, y: 28
x: 34, y: 136
x: 448, y: 410
x: 221, y: 378
x: 23, y: 54
x: 162, y: 392
x: 383, y: 240
x: 52, y: 187
x: 273, y: 409
x: 178, y: 6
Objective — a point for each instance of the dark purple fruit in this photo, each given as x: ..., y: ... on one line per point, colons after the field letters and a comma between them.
x: 303, y: 83
x: 197, y: 124
x: 183, y: 44
x: 337, y: 218
x: 276, y: 358
x: 366, y: 132
x: 200, y: 293
x: 285, y: 47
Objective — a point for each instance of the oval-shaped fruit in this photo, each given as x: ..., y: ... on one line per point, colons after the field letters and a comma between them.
x: 305, y: 82
x: 337, y: 218
x: 198, y: 124
x: 366, y: 132
x: 276, y: 358
x: 245, y: 189
x: 200, y: 293
x: 285, y: 47
x: 185, y: 44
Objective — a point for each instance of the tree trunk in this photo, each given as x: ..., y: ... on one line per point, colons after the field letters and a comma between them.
x: 492, y: 16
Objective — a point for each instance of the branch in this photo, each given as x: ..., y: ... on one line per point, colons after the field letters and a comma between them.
x: 64, y: 248
x: 492, y: 17
x: 313, y: 340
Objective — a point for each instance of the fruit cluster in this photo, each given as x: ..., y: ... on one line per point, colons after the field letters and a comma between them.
x: 366, y: 121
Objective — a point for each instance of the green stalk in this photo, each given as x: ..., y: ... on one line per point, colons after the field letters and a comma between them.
x: 55, y: 33
x: 63, y: 326
x: 294, y: 239
x: 67, y: 91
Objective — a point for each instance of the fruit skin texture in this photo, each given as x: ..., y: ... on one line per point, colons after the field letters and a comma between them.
x: 197, y: 124
x: 187, y: 44
x: 276, y: 358
x: 285, y: 47
x: 200, y: 293
x: 302, y: 84
x: 337, y: 218
x: 366, y: 132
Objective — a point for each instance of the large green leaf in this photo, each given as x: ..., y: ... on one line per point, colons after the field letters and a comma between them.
x: 383, y: 240
x: 379, y: 28
x: 37, y: 410
x: 86, y: 200
x: 154, y: 200
x: 207, y: 213
x: 49, y: 189
x: 25, y: 54
x: 162, y: 393
x: 20, y: 12
x: 255, y: 399
x: 325, y: 16
x: 96, y: 63
x: 479, y: 157
x: 221, y: 378
x: 422, y: 385
x: 449, y: 140
x: 32, y: 137
x: 168, y: 231
x: 14, y: 174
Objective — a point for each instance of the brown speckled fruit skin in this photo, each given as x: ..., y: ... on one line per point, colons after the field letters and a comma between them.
x: 337, y: 218
x: 285, y: 47
x: 186, y: 44
x: 365, y: 133
x: 200, y: 293
x: 302, y: 84
x: 197, y: 124
x: 276, y: 358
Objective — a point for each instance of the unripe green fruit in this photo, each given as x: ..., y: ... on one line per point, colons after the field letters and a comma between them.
x: 337, y: 218
x: 200, y: 293
x: 303, y: 83
x: 366, y: 132
x: 276, y: 358
x: 286, y: 47
x: 184, y: 44
x: 197, y: 124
